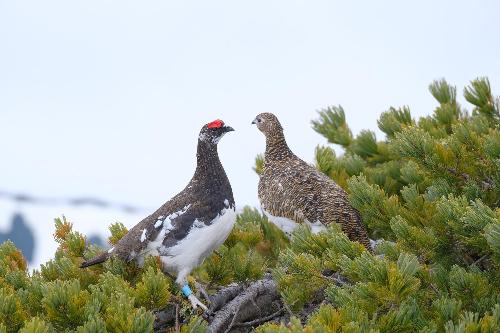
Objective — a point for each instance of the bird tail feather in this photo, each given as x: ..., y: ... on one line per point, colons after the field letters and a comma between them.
x: 96, y: 260
x: 362, y: 234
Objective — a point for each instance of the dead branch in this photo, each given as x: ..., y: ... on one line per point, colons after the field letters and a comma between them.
x: 262, y: 320
x: 260, y: 299
x: 225, y: 295
x: 239, y: 307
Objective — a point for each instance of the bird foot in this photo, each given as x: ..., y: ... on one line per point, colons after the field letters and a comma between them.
x: 195, y: 303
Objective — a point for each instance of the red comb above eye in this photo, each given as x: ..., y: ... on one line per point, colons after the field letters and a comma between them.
x: 215, y: 124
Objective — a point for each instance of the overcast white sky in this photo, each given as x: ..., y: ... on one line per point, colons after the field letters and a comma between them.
x: 106, y: 98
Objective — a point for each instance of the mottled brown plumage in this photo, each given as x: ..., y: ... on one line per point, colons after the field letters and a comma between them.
x: 292, y: 189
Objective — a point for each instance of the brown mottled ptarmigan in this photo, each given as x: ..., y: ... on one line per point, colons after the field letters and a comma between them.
x: 292, y: 191
x: 188, y: 227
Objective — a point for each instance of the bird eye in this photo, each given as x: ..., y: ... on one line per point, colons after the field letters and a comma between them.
x: 259, y: 120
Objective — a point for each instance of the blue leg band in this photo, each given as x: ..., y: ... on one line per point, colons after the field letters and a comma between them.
x: 186, y: 290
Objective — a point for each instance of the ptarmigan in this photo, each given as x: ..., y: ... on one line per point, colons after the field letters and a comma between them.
x: 188, y: 227
x: 292, y: 191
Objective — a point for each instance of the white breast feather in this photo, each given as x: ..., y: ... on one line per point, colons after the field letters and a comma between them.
x: 316, y: 227
x: 200, y: 242
x: 288, y: 226
x: 285, y: 224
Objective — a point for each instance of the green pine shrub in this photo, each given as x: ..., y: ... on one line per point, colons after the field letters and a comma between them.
x: 120, y: 297
x: 428, y: 193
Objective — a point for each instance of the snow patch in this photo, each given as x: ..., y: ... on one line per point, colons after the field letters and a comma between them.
x: 143, y: 236
x: 111, y: 249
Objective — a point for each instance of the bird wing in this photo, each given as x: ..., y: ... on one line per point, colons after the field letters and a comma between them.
x: 143, y: 233
x: 146, y: 233
x: 162, y: 230
x: 198, y: 214
x: 292, y: 190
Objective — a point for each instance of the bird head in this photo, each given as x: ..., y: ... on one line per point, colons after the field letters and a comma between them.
x: 268, y: 124
x: 213, y: 131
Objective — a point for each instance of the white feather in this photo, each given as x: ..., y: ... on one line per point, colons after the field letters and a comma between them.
x: 288, y: 225
x: 200, y: 242
x: 316, y: 227
x: 285, y: 224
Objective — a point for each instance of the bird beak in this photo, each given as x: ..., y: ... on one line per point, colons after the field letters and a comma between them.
x: 228, y: 129
x: 254, y: 121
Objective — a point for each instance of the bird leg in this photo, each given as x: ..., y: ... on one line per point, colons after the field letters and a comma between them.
x: 188, y: 293
x: 195, y: 302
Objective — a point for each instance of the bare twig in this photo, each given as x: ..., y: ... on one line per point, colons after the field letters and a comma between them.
x: 260, y: 320
x: 290, y: 313
x: 202, y: 291
x: 479, y: 260
x: 433, y: 287
x: 177, y: 329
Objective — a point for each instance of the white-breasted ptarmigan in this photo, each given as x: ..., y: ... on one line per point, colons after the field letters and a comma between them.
x: 292, y: 191
x: 188, y: 227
